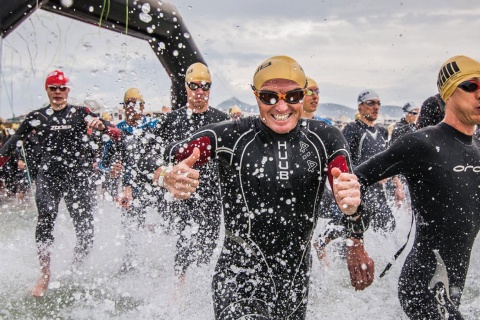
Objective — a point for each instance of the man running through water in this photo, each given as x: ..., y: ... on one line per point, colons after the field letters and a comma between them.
x: 441, y: 164
x: 65, y: 171
x: 273, y: 170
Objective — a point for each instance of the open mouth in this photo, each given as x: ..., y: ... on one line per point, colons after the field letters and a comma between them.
x: 281, y: 117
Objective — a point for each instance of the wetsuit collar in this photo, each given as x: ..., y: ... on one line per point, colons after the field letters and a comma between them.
x: 466, y: 139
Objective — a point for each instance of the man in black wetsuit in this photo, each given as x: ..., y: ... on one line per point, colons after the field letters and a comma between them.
x: 273, y: 170
x: 442, y: 165
x: 201, y: 214
x: 365, y: 139
x: 65, y: 171
x: 408, y: 123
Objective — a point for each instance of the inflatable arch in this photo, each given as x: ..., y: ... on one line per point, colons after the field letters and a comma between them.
x: 157, y: 22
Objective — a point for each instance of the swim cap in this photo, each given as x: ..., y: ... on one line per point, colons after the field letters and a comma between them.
x: 279, y: 67
x: 56, y: 77
x: 367, y: 94
x: 453, y: 72
x: 311, y: 82
x: 132, y: 93
x: 198, y: 72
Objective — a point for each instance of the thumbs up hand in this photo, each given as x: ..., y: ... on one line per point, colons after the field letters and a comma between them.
x: 180, y: 180
x: 346, y: 191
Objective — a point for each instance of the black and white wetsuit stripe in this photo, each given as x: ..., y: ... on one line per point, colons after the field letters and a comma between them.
x: 442, y: 168
x: 271, y: 187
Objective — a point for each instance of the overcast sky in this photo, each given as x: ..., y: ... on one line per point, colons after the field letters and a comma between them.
x: 393, y: 47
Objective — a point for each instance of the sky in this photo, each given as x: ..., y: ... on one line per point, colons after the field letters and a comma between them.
x: 393, y: 47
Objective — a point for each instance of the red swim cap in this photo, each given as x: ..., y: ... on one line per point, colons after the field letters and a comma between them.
x: 56, y: 77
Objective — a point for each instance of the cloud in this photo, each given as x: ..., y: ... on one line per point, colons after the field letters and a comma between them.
x: 394, y: 47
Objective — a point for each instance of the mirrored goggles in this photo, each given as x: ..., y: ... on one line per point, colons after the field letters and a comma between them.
x: 60, y: 87
x: 194, y: 86
x: 272, y: 97
x: 310, y: 92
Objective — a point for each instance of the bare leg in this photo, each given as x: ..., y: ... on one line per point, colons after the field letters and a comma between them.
x: 42, y: 284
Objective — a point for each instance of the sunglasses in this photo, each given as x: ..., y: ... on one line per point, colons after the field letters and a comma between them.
x: 310, y: 92
x: 413, y: 112
x: 194, y: 86
x: 270, y: 97
x: 371, y: 103
x: 54, y: 88
x: 469, y: 86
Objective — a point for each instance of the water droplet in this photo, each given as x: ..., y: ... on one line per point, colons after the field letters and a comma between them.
x: 35, y: 123
x: 186, y: 35
x: 146, y: 7
x: 67, y: 3
x: 145, y: 17
x: 90, y: 8
x: 175, y: 53
x: 49, y: 111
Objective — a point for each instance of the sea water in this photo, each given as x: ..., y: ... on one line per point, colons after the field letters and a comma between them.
x: 97, y: 289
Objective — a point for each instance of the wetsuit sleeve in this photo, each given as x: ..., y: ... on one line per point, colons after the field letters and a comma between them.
x: 106, y: 162
x: 206, y: 139
x: 391, y: 162
x: 112, y: 131
x: 156, y: 146
x: 350, y: 132
x: 10, y: 145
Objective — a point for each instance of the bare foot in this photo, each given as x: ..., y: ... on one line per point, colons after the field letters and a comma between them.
x: 42, y: 284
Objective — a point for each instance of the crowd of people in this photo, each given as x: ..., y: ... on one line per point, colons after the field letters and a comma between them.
x: 272, y: 177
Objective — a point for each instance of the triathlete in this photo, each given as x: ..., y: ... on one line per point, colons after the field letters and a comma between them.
x: 137, y: 193
x: 65, y: 171
x: 269, y: 166
x: 441, y: 164
x: 200, y: 214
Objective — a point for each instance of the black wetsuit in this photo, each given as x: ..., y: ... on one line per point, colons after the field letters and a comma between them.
x: 200, y: 214
x: 442, y: 167
x: 402, y: 127
x: 65, y: 171
x: 431, y: 112
x: 365, y: 141
x: 271, y: 186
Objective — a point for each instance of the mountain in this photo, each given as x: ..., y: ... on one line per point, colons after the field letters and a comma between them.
x: 227, y: 104
x: 328, y: 110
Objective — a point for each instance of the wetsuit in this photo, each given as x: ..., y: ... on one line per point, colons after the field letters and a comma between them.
x: 271, y: 186
x: 128, y: 150
x: 431, y: 112
x: 65, y: 171
x: 365, y: 141
x: 402, y: 127
x: 442, y: 167
x: 200, y: 214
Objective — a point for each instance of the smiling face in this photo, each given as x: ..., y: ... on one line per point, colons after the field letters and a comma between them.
x: 281, y: 117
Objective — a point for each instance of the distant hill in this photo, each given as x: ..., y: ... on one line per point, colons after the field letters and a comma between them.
x: 227, y: 104
x: 328, y: 110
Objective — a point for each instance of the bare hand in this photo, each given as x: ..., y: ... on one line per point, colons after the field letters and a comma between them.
x: 360, y: 265
x: 346, y: 191
x: 399, y: 194
x: 125, y: 198
x: 181, y: 180
x: 95, y: 123
x: 21, y: 165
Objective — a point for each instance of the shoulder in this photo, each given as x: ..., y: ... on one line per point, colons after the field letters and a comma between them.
x: 222, y: 115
